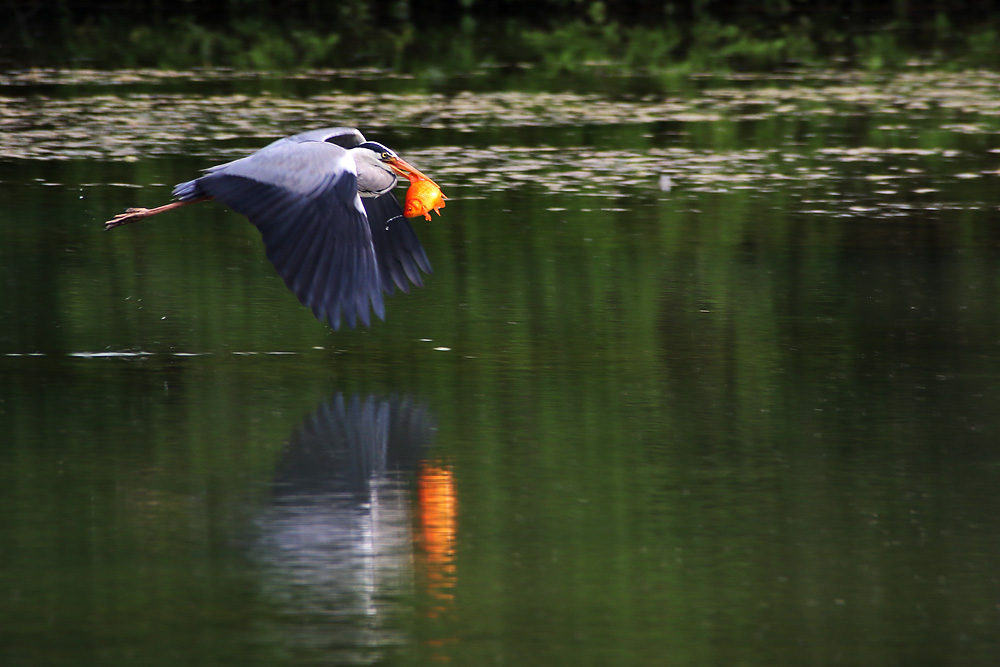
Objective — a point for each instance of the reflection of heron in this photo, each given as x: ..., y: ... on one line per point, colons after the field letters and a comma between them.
x: 323, y: 203
x: 337, y: 543
x: 347, y: 446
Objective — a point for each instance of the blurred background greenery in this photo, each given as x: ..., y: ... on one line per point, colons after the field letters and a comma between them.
x: 560, y: 35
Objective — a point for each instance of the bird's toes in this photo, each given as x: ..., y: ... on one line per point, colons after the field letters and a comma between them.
x: 130, y: 215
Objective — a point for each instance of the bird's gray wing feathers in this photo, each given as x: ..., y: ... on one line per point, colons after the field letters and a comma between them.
x: 303, y: 198
x: 397, y: 249
x: 346, y: 137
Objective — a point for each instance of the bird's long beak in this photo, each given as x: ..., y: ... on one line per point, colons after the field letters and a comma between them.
x: 404, y: 168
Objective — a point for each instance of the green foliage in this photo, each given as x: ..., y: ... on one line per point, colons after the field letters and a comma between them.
x: 267, y: 48
x: 569, y: 47
x: 183, y: 43
x: 984, y: 48
x: 654, y: 49
x: 572, y: 36
x: 879, y: 51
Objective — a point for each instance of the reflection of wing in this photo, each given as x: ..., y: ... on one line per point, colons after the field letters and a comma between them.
x: 346, y: 444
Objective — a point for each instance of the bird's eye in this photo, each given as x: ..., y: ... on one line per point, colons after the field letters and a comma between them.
x: 386, y: 156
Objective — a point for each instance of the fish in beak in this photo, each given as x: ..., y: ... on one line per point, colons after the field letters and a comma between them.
x: 423, y: 195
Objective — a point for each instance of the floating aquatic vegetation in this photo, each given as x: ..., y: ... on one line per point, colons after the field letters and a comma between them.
x: 127, y: 121
x: 42, y: 76
x: 700, y: 142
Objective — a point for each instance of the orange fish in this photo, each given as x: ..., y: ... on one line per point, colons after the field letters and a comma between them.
x: 423, y: 196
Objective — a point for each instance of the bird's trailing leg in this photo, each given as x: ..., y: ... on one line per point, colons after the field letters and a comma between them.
x: 137, y: 214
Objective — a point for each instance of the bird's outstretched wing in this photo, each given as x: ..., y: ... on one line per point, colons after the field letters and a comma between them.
x: 346, y: 137
x: 397, y: 249
x: 301, y: 193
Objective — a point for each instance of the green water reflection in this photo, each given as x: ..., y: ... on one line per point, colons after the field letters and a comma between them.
x: 747, y: 420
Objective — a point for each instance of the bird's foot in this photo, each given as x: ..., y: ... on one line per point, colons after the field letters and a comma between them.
x: 130, y: 215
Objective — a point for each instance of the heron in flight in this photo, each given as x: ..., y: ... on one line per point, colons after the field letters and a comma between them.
x: 323, y: 203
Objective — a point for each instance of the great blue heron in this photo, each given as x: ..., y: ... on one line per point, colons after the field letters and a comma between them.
x: 332, y: 228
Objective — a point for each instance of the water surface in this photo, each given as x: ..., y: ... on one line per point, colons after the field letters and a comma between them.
x: 706, y: 373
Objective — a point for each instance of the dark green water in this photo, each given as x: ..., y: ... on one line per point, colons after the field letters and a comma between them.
x: 747, y: 419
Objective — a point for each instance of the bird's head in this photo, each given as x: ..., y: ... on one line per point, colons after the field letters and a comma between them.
x: 387, y: 159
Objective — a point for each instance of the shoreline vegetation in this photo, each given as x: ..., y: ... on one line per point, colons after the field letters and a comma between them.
x: 558, y: 36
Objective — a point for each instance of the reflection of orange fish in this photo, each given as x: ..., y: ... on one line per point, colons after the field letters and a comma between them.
x: 422, y: 197
x: 439, y: 527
